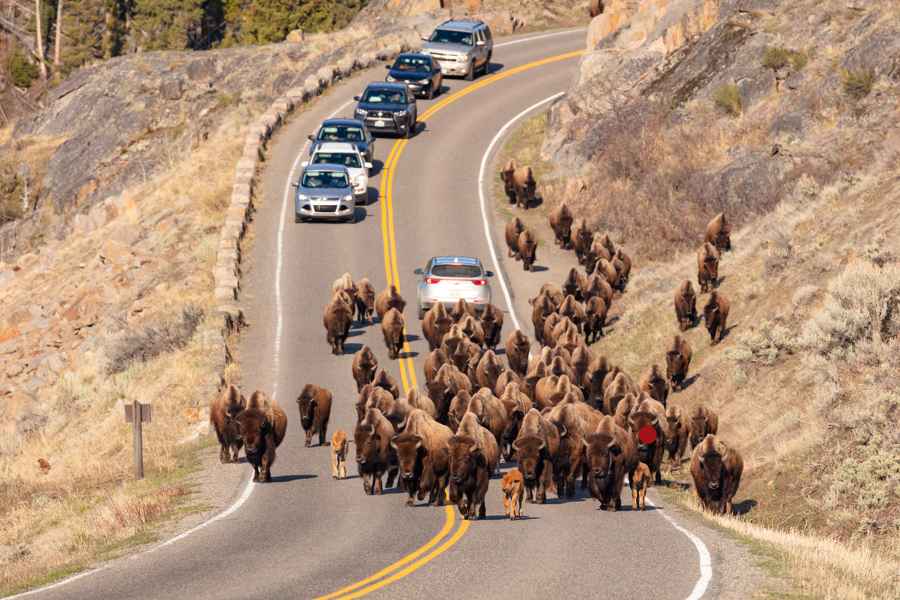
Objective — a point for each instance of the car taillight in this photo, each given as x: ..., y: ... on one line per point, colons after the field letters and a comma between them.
x: 479, y: 281
x: 432, y: 280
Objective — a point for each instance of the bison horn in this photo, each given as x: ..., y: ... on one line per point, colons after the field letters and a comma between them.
x: 655, y: 421
x: 562, y: 431
x: 611, y: 444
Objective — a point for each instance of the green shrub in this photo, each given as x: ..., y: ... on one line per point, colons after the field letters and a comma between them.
x: 22, y: 71
x: 778, y: 58
x: 858, y: 84
x: 728, y: 98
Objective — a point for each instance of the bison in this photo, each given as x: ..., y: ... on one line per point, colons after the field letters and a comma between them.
x: 513, y: 485
x: 222, y: 414
x: 517, y: 348
x: 598, y: 287
x: 339, y: 446
x: 492, y: 324
x: 716, y: 470
x: 488, y: 370
x: 574, y: 420
x: 677, y: 438
x: 314, y: 403
x: 595, y: 319
x: 436, y: 324
x: 517, y: 404
x: 364, y: 367
x: 606, y: 270
x: 461, y: 310
x: 423, y: 456
x: 685, y: 306
x: 655, y: 384
x: 561, y: 224
x: 506, y: 176
x: 648, y: 426
x: 365, y: 300
x: 678, y: 360
x: 718, y: 233
x: 262, y: 432
x: 583, y: 238
x: 574, y: 285
x: 707, y: 267
x: 625, y: 269
x: 418, y: 400
x: 513, y: 229
x: 610, y: 455
x: 524, y: 186
x: 389, y: 298
x: 527, y: 249
x: 715, y: 313
x: 446, y: 384
x: 597, y: 251
x: 392, y: 326
x: 474, y: 455
x: 704, y: 421
x: 374, y: 455
x: 385, y: 381
x: 337, y: 320
x: 613, y: 393
x: 639, y: 481
x: 574, y: 310
x: 541, y: 308
x: 434, y: 361
x: 489, y: 411
x: 536, y: 447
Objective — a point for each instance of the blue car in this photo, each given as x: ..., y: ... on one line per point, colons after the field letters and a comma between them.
x: 388, y: 108
x: 344, y: 130
x: 419, y: 72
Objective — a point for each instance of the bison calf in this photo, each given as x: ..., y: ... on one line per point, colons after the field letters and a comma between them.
x: 314, y: 403
x: 639, y: 482
x: 716, y: 470
x: 339, y: 445
x: 513, y: 493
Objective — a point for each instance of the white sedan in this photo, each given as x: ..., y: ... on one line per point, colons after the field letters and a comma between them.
x: 342, y: 153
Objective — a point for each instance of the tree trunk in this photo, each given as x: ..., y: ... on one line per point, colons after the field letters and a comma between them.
x: 59, y: 20
x: 39, y: 39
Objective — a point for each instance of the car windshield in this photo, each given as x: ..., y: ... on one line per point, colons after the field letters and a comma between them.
x: 324, y: 179
x: 351, y: 161
x: 468, y: 271
x: 412, y: 64
x: 383, y: 96
x: 340, y: 133
x: 448, y: 36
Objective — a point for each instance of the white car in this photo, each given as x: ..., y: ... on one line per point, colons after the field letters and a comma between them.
x: 346, y: 154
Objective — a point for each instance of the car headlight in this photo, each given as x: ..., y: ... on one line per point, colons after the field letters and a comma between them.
x: 462, y: 58
x: 359, y: 180
x: 348, y: 198
x: 302, y: 197
x: 389, y: 78
x: 361, y: 112
x: 424, y: 81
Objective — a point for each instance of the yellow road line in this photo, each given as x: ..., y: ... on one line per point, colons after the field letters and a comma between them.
x: 415, y: 560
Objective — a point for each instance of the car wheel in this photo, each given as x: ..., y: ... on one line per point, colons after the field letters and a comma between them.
x: 470, y: 74
x: 430, y: 93
x: 411, y: 130
x: 298, y: 219
x: 421, y: 313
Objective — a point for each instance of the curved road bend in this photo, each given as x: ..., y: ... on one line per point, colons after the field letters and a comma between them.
x: 305, y: 535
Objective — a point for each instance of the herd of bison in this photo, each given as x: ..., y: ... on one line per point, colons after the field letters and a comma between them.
x: 560, y: 412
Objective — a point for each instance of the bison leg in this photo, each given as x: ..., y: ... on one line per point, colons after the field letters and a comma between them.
x: 392, y: 475
x: 482, y: 510
x: 378, y: 486
x: 635, y: 501
x: 308, y: 441
x: 367, y: 483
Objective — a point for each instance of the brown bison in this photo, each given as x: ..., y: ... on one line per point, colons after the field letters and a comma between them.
x: 554, y: 292
x: 513, y: 229
x: 574, y: 310
x: 527, y: 249
x: 339, y: 446
x: 639, y: 482
x: 575, y: 421
x: 225, y: 408
x: 583, y: 238
x: 517, y: 404
x: 365, y: 300
x: 513, y: 485
x: 492, y: 324
x: 704, y: 421
x: 593, y: 381
x: 423, y: 455
x: 524, y: 186
x: 262, y: 433
x: 574, y: 285
x: 597, y: 251
x: 718, y: 233
x: 458, y: 407
x: 536, y: 448
x: 655, y: 384
x: 490, y: 412
x: 677, y: 438
x: 625, y: 269
x: 374, y: 455
x: 517, y: 348
x: 389, y: 298
x: 595, y: 7
x: 314, y: 403
x: 606, y: 270
x: 392, y: 327
x: 364, y: 367
x: 436, y: 324
x: 488, y: 370
x: 337, y: 320
x: 594, y: 319
x: 541, y: 308
x: 624, y: 408
x: 598, y: 287
x: 613, y: 393
x: 715, y: 313
x: 418, y: 400
x: 716, y: 470
x: 386, y: 381
x: 685, y: 306
x: 561, y: 224
x: 648, y: 426
x: 461, y: 310
x: 446, y: 384
x: 506, y: 176
x: 474, y: 455
x: 610, y: 455
x: 678, y: 360
x: 707, y: 267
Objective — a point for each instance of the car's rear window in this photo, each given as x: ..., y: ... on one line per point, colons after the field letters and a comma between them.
x: 456, y: 271
x: 341, y: 133
x: 351, y: 161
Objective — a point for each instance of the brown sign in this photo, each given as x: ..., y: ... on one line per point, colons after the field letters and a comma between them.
x: 144, y: 412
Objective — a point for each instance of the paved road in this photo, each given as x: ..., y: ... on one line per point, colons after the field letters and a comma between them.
x: 305, y: 535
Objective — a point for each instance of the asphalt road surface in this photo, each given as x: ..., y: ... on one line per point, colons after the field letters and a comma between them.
x: 306, y: 535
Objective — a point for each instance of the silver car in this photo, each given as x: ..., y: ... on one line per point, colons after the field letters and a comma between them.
x: 324, y: 192
x: 446, y: 279
x: 463, y: 47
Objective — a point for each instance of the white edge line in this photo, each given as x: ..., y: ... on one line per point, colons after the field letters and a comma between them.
x: 540, y: 37
x: 704, y: 557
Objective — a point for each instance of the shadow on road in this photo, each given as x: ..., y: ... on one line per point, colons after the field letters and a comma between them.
x: 744, y: 506
x: 289, y: 478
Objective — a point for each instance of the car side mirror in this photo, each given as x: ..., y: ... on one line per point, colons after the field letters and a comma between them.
x: 488, y: 273
x: 311, y: 137
x: 356, y: 98
x: 388, y: 67
x: 479, y: 43
x: 295, y: 184
x: 369, y: 165
x: 418, y: 271
x: 305, y: 163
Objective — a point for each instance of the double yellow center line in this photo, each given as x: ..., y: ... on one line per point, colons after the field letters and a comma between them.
x: 437, y: 545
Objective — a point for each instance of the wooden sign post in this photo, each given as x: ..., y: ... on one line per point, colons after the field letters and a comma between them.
x: 137, y: 414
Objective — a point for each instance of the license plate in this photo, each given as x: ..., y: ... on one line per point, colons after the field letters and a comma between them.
x: 379, y: 123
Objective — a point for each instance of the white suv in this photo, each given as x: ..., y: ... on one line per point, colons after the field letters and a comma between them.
x: 346, y: 154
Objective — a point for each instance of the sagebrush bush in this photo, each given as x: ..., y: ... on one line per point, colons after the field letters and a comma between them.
x: 863, y: 304
x: 728, y: 98
x: 778, y: 58
x: 154, y: 340
x: 858, y: 84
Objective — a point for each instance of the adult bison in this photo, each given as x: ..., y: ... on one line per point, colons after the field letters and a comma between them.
x: 595, y: 311
x: 517, y: 348
x: 474, y: 455
x: 387, y: 299
x: 536, y: 447
x: 461, y: 310
x: 610, y: 454
x: 488, y: 370
x: 262, y: 432
x: 337, y: 320
x: 704, y: 421
x: 386, y: 381
x: 707, y: 267
x: 374, y: 455
x: 574, y: 310
x: 595, y: 7
x: 624, y: 260
x: 392, y: 327
x: 314, y: 403
x: 541, y: 308
x: 513, y: 229
x: 506, y: 176
x: 574, y: 284
x: 685, y: 306
x: 561, y: 224
x: 574, y: 420
x: 492, y: 324
x: 365, y: 300
x: 222, y: 416
x: 526, y: 245
x: 436, y: 324
x: 678, y: 361
x: 423, y: 456
x: 364, y: 367
x: 446, y: 384
x: 419, y: 400
x: 677, y: 438
x: 582, y: 238
x: 434, y: 361
x: 716, y: 469
x: 656, y: 386
x: 523, y: 185
x: 597, y: 286
x: 613, y: 393
x: 598, y: 250
x: 517, y: 404
x: 718, y: 233
x: 648, y: 426
x: 715, y: 313
x: 489, y: 411
x: 606, y: 270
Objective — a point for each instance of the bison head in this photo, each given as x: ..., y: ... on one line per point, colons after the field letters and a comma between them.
x: 465, y: 458
x: 530, y: 454
x: 409, y: 449
x: 367, y: 441
x: 601, y: 451
x: 712, y: 465
x: 253, y: 426
x: 306, y: 402
x: 699, y: 428
x: 639, y: 420
x: 511, y: 432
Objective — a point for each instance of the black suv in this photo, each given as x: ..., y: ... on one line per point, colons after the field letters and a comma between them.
x: 388, y: 108
x: 419, y: 72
